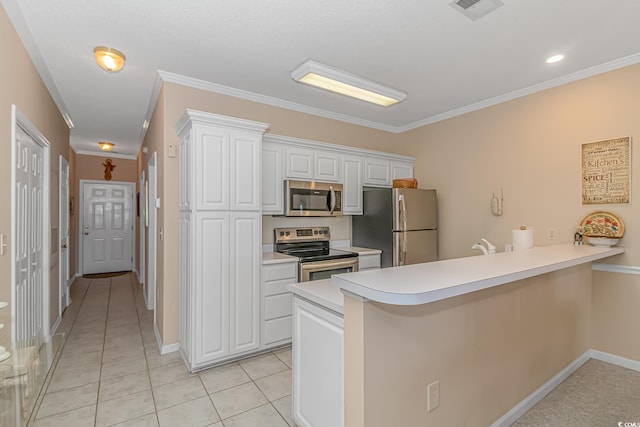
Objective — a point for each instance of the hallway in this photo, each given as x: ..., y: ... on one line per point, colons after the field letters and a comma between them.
x: 110, y: 372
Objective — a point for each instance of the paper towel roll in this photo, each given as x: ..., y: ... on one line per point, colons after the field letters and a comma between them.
x: 522, y: 239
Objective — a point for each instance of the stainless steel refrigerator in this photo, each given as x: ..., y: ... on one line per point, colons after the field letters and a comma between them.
x: 402, y: 222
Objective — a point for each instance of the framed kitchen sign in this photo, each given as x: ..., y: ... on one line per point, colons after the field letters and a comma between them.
x: 606, y: 172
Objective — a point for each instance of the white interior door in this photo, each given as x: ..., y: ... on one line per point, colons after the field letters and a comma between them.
x: 63, y: 228
x: 30, y: 222
x: 150, y: 288
x: 143, y: 213
x: 107, y: 227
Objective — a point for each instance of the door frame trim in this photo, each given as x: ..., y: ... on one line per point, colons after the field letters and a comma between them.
x: 81, y: 218
x: 64, y: 205
x: 19, y: 119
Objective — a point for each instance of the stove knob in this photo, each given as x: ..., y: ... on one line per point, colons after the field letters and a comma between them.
x: 315, y: 231
x: 287, y: 233
x: 326, y: 231
x: 282, y: 233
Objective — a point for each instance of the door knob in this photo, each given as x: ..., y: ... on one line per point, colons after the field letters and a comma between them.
x: 86, y: 233
x: 64, y: 246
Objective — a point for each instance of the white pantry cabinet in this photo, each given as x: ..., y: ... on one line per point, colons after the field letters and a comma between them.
x: 291, y: 158
x: 318, y: 366
x: 220, y: 237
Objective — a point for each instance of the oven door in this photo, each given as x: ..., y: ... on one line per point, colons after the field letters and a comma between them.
x: 319, y: 270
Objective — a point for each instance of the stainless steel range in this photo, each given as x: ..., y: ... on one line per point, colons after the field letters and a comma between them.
x: 316, y: 259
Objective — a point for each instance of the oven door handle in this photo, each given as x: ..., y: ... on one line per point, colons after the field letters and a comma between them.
x: 326, y: 265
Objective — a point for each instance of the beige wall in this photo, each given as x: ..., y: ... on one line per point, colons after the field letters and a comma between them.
x: 21, y: 85
x: 488, y: 349
x: 531, y: 147
x: 91, y: 167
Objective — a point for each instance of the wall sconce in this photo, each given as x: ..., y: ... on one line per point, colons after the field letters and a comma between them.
x: 109, y: 59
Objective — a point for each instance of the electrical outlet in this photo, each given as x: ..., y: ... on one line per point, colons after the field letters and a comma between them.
x: 433, y: 395
x: 551, y: 234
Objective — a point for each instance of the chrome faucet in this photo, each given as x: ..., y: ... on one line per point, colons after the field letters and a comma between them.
x: 488, y: 250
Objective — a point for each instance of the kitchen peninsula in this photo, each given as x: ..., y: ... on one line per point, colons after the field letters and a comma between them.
x: 489, y: 329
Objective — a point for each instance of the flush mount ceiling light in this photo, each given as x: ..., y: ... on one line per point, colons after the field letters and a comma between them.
x: 555, y: 58
x: 335, y: 80
x: 109, y: 59
x: 106, y: 146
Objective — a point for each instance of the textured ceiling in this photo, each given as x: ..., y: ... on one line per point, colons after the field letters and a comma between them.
x: 446, y: 63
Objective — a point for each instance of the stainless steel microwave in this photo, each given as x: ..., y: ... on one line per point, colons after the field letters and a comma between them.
x: 312, y: 198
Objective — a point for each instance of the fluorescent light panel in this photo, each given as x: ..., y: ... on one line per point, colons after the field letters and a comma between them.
x: 338, y: 81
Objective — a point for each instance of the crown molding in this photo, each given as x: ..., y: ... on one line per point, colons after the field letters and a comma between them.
x: 569, y: 78
x: 13, y: 10
x: 106, y: 155
x: 263, y: 99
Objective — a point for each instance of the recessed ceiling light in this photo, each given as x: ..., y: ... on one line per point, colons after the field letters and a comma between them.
x: 555, y: 58
x: 335, y: 80
x: 109, y: 59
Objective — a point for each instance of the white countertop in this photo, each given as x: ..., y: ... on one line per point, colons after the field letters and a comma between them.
x: 428, y: 282
x: 321, y: 292
x: 277, y: 258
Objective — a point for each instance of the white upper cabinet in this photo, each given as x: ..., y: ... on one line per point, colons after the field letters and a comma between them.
x: 299, y: 163
x: 351, y: 185
x: 311, y: 165
x: 327, y: 166
x: 377, y: 172
x: 291, y: 158
x: 401, y: 170
x: 226, y: 156
x: 272, y: 179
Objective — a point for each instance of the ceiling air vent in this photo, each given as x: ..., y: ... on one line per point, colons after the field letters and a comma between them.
x: 475, y: 9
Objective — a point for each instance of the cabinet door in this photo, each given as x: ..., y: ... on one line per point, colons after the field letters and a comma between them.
x: 244, y: 282
x: 211, y: 288
x: 246, y: 171
x: 401, y: 170
x: 318, y: 366
x: 185, y: 173
x: 272, y: 179
x: 299, y: 163
x: 212, y: 167
x: 352, y: 186
x: 326, y: 166
x: 377, y: 172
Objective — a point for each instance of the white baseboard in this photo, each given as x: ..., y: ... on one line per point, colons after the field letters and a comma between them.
x: 54, y: 328
x: 615, y: 360
x: 164, y: 349
x: 530, y: 401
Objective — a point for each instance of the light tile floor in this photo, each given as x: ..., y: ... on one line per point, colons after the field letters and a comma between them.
x: 110, y: 372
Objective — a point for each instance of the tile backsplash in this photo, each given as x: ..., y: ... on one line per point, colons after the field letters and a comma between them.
x: 341, y: 227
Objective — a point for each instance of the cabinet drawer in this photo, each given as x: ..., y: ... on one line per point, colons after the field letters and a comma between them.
x: 276, y: 287
x: 278, y: 306
x: 279, y: 271
x: 368, y: 262
x: 277, y: 330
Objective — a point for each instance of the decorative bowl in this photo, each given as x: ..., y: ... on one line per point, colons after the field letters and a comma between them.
x: 603, y: 242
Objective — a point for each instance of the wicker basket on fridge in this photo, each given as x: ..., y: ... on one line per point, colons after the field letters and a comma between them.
x: 405, y: 183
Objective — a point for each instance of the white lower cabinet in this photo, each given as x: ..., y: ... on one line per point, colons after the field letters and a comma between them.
x: 219, y: 308
x: 318, y: 366
x: 277, y: 306
x: 368, y: 262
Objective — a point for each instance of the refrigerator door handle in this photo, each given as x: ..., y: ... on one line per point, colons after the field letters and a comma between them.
x: 332, y: 202
x: 403, y: 210
x: 403, y: 248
